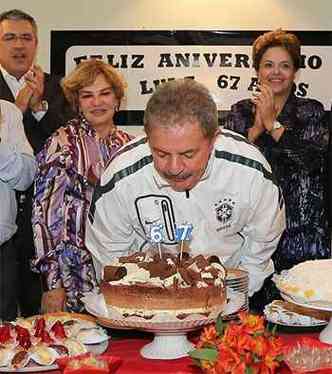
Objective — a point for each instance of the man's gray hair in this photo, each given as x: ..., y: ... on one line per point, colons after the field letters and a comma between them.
x: 182, y: 101
x: 19, y: 15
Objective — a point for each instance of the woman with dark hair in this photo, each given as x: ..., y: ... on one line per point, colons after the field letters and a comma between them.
x: 69, y: 167
x: 293, y: 134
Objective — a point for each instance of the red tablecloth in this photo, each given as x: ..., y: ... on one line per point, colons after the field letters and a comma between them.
x: 133, y: 362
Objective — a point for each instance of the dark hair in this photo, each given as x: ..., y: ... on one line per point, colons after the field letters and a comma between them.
x: 277, y: 38
x: 179, y: 101
x: 85, y: 74
x: 19, y: 15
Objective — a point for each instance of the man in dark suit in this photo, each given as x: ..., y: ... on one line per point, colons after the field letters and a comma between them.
x: 39, y: 96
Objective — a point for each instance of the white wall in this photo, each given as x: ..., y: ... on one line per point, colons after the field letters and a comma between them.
x: 172, y: 14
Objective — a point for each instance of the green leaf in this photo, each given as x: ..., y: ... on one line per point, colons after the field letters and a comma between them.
x: 197, y: 362
x: 249, y: 370
x: 279, y: 358
x: 208, y: 354
x: 274, y: 330
x: 220, y: 325
x: 258, y: 333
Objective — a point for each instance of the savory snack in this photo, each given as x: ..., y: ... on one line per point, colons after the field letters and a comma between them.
x: 145, y: 284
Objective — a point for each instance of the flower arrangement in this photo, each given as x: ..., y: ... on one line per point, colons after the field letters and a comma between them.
x: 238, y: 347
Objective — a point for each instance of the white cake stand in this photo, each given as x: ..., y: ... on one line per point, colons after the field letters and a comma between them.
x: 325, y: 335
x: 170, y: 337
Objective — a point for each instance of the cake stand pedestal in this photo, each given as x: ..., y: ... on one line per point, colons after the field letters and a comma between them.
x: 170, y: 338
x: 325, y: 335
x: 167, y: 347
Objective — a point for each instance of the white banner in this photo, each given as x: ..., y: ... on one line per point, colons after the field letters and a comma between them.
x: 226, y: 70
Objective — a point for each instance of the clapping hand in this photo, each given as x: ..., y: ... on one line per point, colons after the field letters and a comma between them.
x: 31, y: 94
x: 23, y: 98
x: 266, y: 112
x: 35, y: 81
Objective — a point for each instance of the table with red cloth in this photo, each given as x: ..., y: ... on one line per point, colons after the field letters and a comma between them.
x: 129, y: 351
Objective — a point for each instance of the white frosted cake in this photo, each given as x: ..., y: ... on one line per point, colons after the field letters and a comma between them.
x: 309, y: 281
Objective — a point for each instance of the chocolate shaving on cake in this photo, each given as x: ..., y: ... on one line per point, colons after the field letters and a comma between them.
x: 201, y: 262
x: 158, y: 269
x: 189, y: 276
x: 114, y: 273
x: 186, y: 276
x: 194, y: 275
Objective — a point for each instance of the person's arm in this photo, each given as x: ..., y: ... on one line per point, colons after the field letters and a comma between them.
x: 305, y: 144
x: 17, y: 169
x: 48, y: 221
x: 263, y: 230
x: 17, y: 163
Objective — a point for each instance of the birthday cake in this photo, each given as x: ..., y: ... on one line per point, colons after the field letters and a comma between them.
x: 144, y: 285
x: 308, y: 282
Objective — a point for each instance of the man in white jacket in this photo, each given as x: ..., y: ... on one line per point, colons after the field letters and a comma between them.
x: 188, y: 171
x: 17, y: 171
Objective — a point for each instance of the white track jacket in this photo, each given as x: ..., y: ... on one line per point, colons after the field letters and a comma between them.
x: 236, y: 209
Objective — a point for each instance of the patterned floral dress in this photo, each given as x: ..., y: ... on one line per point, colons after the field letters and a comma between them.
x: 69, y: 166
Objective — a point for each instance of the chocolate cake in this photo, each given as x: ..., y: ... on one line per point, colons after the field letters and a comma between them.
x: 143, y: 284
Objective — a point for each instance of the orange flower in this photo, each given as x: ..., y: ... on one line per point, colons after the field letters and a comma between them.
x: 246, y: 343
x: 208, y: 336
x: 242, y: 345
x: 231, y: 334
x: 228, y: 359
x: 251, y: 323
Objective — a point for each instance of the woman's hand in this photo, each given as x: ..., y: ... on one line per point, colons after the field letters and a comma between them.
x: 258, y: 128
x: 265, y: 106
x: 53, y: 301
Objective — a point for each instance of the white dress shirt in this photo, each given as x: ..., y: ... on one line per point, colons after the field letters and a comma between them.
x: 17, y: 166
